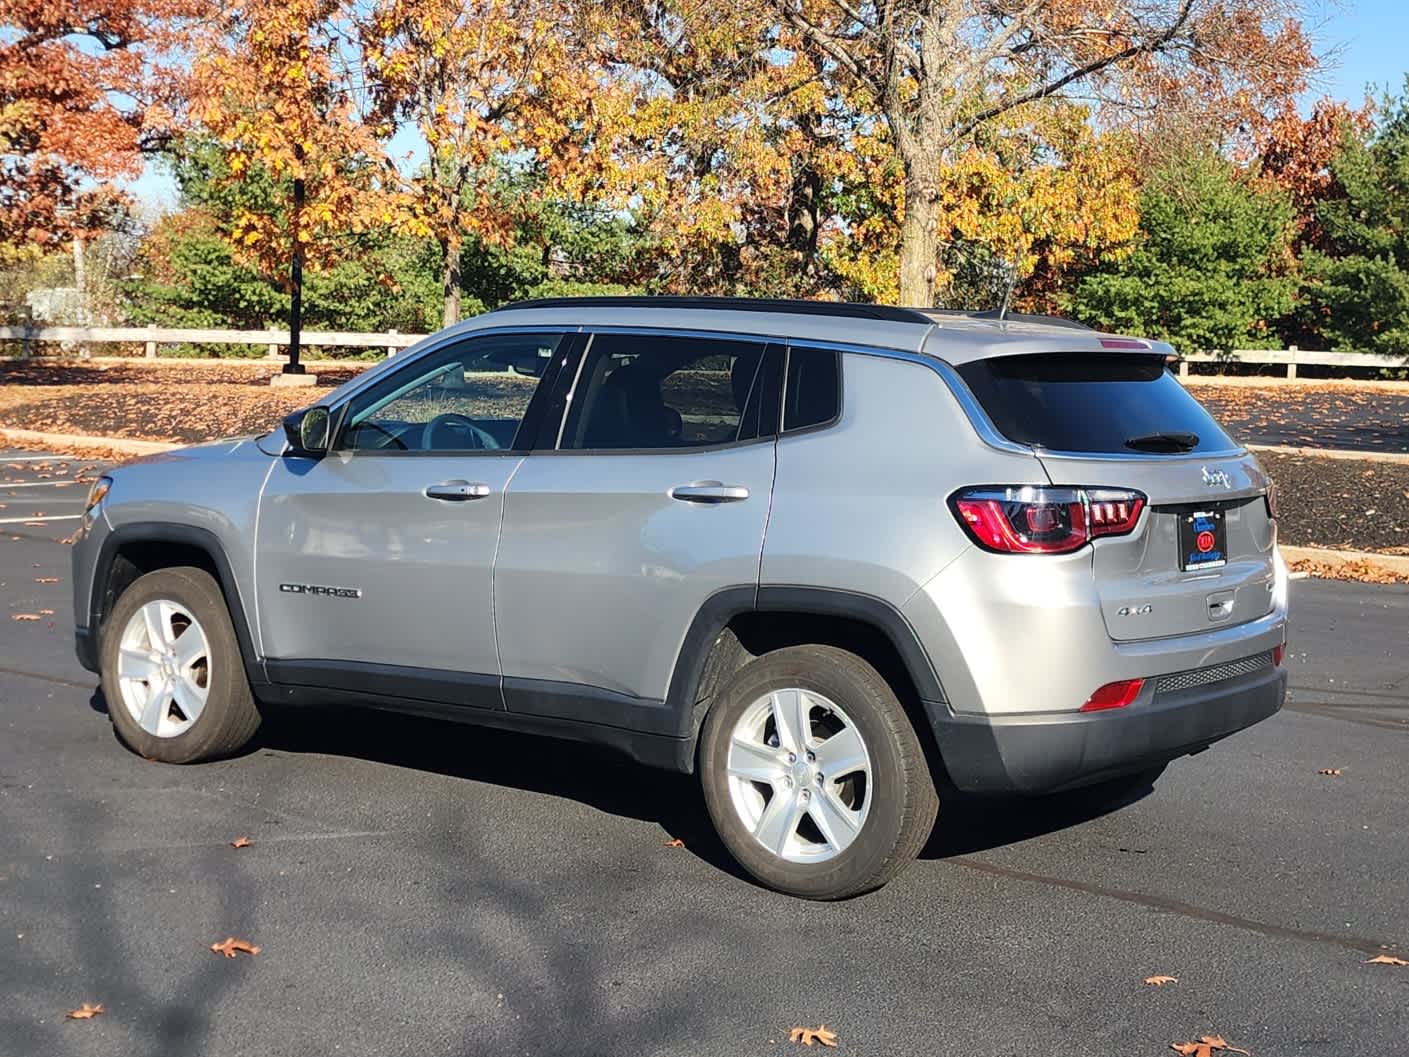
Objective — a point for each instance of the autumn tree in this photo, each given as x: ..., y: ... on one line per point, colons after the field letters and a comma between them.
x: 86, y: 88
x: 938, y: 71
x: 1356, y: 293
x: 1298, y: 154
x: 759, y: 166
x: 724, y: 143
x: 273, y: 87
x: 484, y: 85
x: 1037, y: 193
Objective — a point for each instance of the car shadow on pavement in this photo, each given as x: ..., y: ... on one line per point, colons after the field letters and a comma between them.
x: 589, y: 774
x: 609, y: 782
x: 975, y: 824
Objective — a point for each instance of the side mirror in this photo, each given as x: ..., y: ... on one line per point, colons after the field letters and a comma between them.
x: 307, y: 431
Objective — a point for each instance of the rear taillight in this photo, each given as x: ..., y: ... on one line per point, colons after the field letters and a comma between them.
x: 1027, y: 519
x: 1114, y: 695
x: 1277, y: 652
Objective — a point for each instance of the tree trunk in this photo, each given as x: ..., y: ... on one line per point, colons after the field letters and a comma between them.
x: 803, y: 223
x: 919, y: 239
x: 450, y: 278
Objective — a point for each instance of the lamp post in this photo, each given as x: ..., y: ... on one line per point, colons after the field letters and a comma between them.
x: 296, y: 282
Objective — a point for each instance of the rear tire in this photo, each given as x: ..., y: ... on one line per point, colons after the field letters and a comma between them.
x: 172, y: 672
x: 785, y: 820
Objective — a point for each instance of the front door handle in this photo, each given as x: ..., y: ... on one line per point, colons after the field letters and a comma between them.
x: 457, y: 491
x: 709, y: 492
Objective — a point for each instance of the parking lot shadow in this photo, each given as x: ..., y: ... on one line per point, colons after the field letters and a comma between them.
x: 614, y: 784
x: 589, y: 774
x: 974, y: 824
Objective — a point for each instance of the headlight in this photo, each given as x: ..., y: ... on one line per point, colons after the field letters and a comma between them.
x: 101, y: 487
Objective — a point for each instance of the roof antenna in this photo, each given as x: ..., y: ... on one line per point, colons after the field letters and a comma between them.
x: 1011, y: 267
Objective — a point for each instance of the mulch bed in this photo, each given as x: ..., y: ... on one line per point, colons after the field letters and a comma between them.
x: 1312, y: 416
x: 1351, y: 504
x: 166, y: 402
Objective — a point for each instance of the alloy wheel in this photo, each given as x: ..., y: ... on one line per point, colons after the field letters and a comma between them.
x: 799, y: 775
x: 164, y: 668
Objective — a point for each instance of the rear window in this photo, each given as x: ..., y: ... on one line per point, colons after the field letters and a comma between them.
x: 1093, y: 402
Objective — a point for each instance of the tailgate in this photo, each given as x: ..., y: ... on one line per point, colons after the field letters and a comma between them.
x: 1201, y: 556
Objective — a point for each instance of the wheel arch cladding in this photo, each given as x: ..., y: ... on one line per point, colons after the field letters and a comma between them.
x: 133, y: 550
x: 738, y: 624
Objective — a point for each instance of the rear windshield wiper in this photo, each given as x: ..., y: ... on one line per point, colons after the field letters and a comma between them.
x: 1163, y: 442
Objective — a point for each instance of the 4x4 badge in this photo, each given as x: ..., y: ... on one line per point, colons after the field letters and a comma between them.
x: 1214, y: 478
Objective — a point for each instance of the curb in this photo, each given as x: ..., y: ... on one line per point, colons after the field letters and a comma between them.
x: 1333, y: 453
x: 1395, y: 564
x: 124, y: 445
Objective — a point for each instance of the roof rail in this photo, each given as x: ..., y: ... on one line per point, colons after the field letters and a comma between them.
x: 995, y: 316
x: 733, y: 304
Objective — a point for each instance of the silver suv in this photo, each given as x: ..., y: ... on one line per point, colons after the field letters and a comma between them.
x: 835, y: 559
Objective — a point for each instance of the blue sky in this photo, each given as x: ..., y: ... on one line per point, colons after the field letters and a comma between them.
x: 1362, y: 40
x: 1367, y: 41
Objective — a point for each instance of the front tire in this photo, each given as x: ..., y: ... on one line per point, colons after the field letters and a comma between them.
x: 813, y: 775
x: 172, y: 672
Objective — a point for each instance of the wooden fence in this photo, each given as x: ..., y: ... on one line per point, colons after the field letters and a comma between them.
x: 151, y: 338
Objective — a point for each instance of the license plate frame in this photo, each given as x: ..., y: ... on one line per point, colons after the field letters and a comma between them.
x: 1203, y: 540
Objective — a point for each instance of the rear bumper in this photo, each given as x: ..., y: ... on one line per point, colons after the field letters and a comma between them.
x: 1047, y: 752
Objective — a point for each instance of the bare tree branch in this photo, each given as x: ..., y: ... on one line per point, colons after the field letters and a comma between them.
x: 1149, y: 46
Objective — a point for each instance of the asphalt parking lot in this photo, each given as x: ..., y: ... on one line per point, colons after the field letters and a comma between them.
x: 426, y: 889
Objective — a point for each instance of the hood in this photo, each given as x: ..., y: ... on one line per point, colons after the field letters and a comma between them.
x: 225, y: 448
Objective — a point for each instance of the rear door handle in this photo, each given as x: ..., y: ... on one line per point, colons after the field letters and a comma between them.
x: 709, y: 492
x: 457, y: 491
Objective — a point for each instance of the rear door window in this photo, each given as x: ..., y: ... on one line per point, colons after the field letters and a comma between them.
x: 1093, y: 402
x: 646, y: 392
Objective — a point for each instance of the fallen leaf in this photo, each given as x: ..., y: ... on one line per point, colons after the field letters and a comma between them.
x: 807, y: 1036
x: 676, y: 843
x: 1386, y: 959
x: 1160, y: 981
x: 231, y: 947
x: 1205, y: 1047
x: 46, y: 579
x: 85, y: 1012
x: 240, y: 842
x: 1332, y: 771
x: 25, y: 616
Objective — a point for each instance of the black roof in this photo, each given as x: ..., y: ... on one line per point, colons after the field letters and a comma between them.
x: 847, y: 309
x: 733, y: 304
x: 1008, y: 317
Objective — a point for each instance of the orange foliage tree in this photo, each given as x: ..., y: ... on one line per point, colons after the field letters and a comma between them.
x: 1296, y: 153
x: 721, y: 142
x: 939, y: 71
x: 757, y: 163
x: 86, y: 87
x: 483, y: 84
x: 275, y: 87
